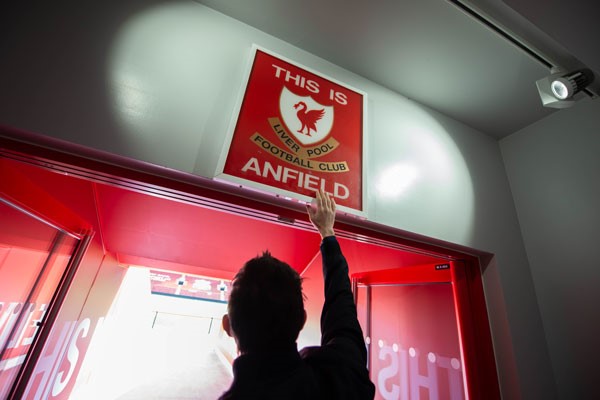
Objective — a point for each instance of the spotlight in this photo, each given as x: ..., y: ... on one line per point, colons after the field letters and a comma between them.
x: 558, y: 89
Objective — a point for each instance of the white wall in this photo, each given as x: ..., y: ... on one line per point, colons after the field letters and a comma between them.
x: 158, y: 82
x: 554, y: 172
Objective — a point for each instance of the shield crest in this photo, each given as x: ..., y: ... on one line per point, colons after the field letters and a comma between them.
x: 309, y: 121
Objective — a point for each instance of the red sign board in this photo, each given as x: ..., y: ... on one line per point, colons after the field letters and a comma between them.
x: 297, y: 132
x: 189, y: 286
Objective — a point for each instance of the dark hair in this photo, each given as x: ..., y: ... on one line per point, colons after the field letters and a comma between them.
x: 266, y: 305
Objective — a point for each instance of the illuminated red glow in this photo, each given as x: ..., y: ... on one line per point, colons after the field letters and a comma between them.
x: 154, y: 230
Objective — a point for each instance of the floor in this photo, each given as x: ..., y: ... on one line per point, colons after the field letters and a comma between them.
x: 204, y: 377
x: 166, y: 362
x: 181, y: 362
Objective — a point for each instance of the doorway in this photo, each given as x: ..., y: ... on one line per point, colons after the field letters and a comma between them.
x: 412, y: 332
x: 190, y: 227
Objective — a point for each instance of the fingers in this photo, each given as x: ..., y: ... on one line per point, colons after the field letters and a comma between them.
x: 321, y: 199
x: 322, y: 212
x: 325, y: 200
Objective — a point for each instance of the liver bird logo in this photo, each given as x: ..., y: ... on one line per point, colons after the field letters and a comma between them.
x: 310, y: 122
x: 308, y: 118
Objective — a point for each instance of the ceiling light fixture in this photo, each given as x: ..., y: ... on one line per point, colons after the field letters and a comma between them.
x: 558, y: 89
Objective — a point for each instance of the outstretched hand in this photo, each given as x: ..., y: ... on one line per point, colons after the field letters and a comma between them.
x: 321, y: 212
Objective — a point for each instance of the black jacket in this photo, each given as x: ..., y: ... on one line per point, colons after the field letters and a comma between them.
x: 334, y: 370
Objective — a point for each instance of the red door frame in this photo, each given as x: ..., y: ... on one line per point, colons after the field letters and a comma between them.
x: 65, y: 157
x: 471, y: 315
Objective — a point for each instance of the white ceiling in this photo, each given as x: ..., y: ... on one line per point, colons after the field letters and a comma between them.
x: 434, y: 52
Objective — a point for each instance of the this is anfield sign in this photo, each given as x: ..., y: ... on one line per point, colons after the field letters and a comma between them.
x: 297, y: 132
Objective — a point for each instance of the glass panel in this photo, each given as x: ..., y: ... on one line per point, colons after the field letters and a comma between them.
x: 33, y: 258
x: 415, y: 343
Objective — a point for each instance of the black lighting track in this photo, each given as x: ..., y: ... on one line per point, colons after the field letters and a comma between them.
x: 474, y: 14
x: 467, y: 10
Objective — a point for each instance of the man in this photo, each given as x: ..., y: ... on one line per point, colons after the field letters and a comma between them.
x: 266, y: 313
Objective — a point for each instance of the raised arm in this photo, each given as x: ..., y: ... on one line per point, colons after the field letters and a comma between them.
x: 339, y: 324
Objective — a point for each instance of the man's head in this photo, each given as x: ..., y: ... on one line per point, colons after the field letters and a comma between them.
x: 266, y: 305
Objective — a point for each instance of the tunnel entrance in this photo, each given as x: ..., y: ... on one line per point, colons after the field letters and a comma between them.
x: 161, y: 339
x: 135, y: 222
